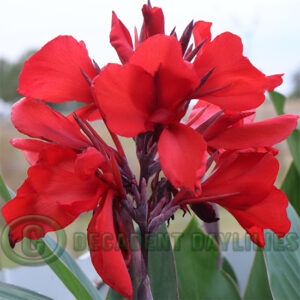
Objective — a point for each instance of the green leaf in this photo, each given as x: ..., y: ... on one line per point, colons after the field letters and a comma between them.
x: 199, y: 277
x: 227, y: 268
x: 294, y: 139
x: 114, y: 295
x: 258, y: 284
x: 294, y: 144
x: 62, y: 264
x: 282, y: 257
x: 4, y: 193
x: 278, y: 101
x: 291, y: 187
x: 68, y: 260
x: 161, y: 266
x: 12, y: 292
x: 62, y: 271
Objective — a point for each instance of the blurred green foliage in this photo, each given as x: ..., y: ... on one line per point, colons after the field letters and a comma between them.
x: 296, y: 90
x: 9, y: 74
x: 9, y: 81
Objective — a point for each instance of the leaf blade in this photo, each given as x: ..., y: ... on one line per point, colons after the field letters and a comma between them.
x: 74, y: 268
x: 294, y: 144
x: 12, y: 292
x: 291, y: 187
x: 227, y: 268
x: 198, y: 273
x: 161, y: 266
x: 278, y: 101
x: 282, y: 259
x: 294, y: 139
x: 4, y: 193
x: 258, y: 283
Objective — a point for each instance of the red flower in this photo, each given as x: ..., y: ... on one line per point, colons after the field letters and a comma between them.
x: 56, y: 180
x: 67, y: 177
x: 243, y: 183
x: 36, y: 119
x: 146, y: 98
x: 226, y: 77
x: 236, y: 130
x: 154, y: 22
x: 105, y: 253
x: 151, y: 91
x: 61, y: 71
x: 120, y: 37
x: 234, y: 83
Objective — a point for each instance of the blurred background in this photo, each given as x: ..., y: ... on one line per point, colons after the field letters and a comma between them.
x: 269, y: 30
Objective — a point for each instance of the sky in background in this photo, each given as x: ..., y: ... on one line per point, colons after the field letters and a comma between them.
x: 270, y: 29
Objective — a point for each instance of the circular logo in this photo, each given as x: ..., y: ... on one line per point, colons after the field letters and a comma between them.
x: 34, y: 251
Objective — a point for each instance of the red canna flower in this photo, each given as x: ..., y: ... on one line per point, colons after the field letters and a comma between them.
x: 151, y: 92
x: 120, y: 37
x: 229, y: 88
x: 226, y: 78
x: 73, y: 170
x: 233, y: 82
x: 243, y: 183
x: 61, y: 71
x: 154, y: 22
x: 68, y: 176
x: 237, y: 130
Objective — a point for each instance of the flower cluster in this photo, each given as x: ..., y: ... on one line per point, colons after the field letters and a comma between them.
x: 218, y: 155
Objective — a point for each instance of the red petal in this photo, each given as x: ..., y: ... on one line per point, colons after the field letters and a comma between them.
x: 175, y: 79
x: 201, y: 32
x: 120, y: 39
x: 243, y: 184
x: 182, y: 154
x: 88, y: 112
x: 247, y: 84
x: 51, y: 197
x: 88, y: 162
x: 30, y: 148
x: 224, y: 121
x: 257, y: 204
x: 126, y: 95
x: 259, y: 134
x: 38, y: 120
x: 202, y: 111
x: 106, y: 255
x: 249, y: 175
x: 154, y: 22
x: 53, y: 73
x: 273, y: 81
x: 267, y: 214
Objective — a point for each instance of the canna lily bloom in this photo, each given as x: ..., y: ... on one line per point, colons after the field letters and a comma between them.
x: 72, y: 170
x: 233, y: 83
x: 69, y: 175
x: 243, y: 183
x: 61, y: 71
x: 226, y: 78
x: 150, y: 93
x: 237, y: 130
x: 120, y: 37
